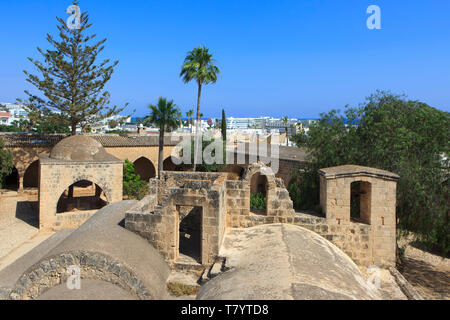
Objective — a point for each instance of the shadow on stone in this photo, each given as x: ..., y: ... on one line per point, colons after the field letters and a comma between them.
x: 430, y: 283
x: 28, y: 212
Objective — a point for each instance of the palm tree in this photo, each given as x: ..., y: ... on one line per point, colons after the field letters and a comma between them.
x: 163, y: 115
x: 285, y: 121
x: 189, y: 115
x: 199, y: 66
x: 179, y: 115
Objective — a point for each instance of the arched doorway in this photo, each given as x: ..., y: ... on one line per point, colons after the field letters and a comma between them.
x: 258, y: 193
x: 31, y: 176
x: 11, y: 182
x: 144, y: 168
x: 86, y: 196
x: 169, y: 165
x: 190, y: 234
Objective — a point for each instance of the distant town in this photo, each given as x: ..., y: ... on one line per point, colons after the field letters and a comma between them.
x: 11, y: 114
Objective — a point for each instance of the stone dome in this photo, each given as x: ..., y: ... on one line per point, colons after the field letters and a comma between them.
x: 80, y: 148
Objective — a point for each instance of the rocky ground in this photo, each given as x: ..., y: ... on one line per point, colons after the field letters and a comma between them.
x: 428, y: 273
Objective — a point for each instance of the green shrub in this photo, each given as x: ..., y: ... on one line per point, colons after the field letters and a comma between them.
x: 257, y: 201
x: 6, y: 164
x: 133, y: 186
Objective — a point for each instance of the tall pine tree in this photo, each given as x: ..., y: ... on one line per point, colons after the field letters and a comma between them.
x: 70, y: 80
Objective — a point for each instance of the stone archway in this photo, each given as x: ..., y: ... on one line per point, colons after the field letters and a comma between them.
x: 85, y: 196
x: 169, y: 165
x: 257, y: 178
x: 31, y: 176
x: 144, y: 168
x: 11, y: 182
x: 258, y: 193
x: 55, y: 270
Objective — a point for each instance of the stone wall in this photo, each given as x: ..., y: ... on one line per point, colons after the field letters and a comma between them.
x: 57, y: 176
x: 157, y: 218
x: 226, y: 203
x: 278, y: 205
x: 73, y: 220
x: 378, y: 205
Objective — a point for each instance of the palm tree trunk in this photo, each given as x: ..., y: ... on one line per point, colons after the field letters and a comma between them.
x: 287, y: 137
x: 74, y: 128
x: 161, y: 150
x: 197, y: 136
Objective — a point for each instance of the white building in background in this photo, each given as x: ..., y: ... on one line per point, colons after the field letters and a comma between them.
x: 4, y: 118
x: 266, y: 124
x: 246, y: 123
x: 16, y: 111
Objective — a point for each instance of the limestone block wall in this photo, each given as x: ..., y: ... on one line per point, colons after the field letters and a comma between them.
x: 288, y: 170
x: 279, y: 204
x: 378, y: 205
x: 57, y: 176
x: 73, y: 220
x: 226, y: 203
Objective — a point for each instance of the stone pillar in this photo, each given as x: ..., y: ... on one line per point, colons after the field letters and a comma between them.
x: 20, y: 182
x: 98, y: 191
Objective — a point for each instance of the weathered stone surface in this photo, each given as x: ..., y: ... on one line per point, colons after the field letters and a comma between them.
x: 285, y: 262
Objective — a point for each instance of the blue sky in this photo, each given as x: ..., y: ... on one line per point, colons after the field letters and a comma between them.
x: 295, y: 58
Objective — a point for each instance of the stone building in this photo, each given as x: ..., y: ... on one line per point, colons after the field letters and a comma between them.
x: 377, y: 191
x: 74, y: 160
x: 368, y: 239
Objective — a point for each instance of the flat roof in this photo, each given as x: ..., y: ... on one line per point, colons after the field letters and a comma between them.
x: 354, y: 170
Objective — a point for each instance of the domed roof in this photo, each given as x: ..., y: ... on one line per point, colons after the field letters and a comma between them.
x: 80, y: 148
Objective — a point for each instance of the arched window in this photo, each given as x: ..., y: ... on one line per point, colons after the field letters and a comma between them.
x: 144, y: 168
x: 31, y: 176
x: 258, y: 193
x: 81, y: 196
x: 360, y: 201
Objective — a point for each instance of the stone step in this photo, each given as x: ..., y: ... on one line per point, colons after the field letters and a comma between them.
x: 188, y: 266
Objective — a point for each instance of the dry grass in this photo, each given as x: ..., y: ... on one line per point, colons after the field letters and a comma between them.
x: 180, y: 289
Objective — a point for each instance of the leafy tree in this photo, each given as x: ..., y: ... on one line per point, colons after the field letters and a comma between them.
x: 133, y: 186
x: 6, y: 164
x: 200, y: 67
x: 257, y: 201
x: 164, y: 116
x: 70, y: 81
x: 54, y: 124
x: 391, y: 133
x: 112, y: 124
x: 10, y: 128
